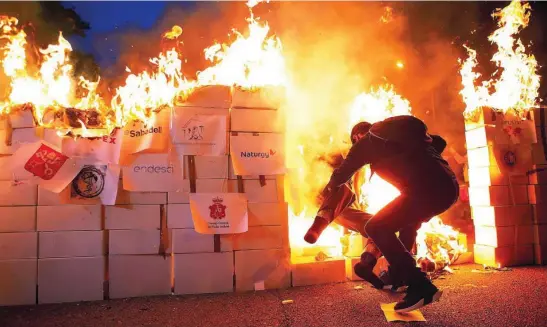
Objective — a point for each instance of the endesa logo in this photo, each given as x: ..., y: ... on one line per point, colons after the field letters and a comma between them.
x: 263, y: 155
x: 153, y: 169
x: 142, y: 132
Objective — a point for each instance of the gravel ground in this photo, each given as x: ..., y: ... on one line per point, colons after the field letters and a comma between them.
x: 509, y: 298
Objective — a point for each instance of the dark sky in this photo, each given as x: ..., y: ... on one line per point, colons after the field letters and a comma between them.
x: 107, y: 16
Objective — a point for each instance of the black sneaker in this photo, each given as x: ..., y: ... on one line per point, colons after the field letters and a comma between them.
x: 418, y: 296
x: 391, y: 283
x: 364, y: 269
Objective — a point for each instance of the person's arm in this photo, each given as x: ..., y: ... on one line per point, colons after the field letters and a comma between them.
x: 438, y: 143
x: 358, y: 156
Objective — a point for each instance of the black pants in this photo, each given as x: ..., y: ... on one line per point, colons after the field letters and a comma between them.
x: 355, y: 220
x: 409, y: 209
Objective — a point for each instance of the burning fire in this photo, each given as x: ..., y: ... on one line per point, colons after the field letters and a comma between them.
x: 516, y: 86
x: 436, y: 241
x: 50, y: 89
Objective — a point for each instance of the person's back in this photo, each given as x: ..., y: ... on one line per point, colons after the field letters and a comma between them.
x: 404, y: 154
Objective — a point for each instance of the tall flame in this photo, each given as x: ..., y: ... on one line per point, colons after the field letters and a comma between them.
x: 517, y: 85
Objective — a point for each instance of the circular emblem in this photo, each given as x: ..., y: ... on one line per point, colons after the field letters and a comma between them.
x: 510, y: 158
x: 89, y: 182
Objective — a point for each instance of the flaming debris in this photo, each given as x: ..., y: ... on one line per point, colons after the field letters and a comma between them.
x: 516, y: 87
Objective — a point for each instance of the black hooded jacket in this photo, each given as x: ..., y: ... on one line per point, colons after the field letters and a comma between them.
x: 399, y: 150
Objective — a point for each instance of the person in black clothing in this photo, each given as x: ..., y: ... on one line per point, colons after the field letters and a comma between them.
x: 342, y: 209
x: 402, y: 152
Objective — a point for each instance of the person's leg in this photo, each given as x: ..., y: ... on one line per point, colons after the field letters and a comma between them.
x: 407, y: 236
x: 356, y: 220
x: 398, y: 214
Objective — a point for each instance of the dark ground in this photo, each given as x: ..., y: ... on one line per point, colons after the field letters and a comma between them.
x: 510, y: 298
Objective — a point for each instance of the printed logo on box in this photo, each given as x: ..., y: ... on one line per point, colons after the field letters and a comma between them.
x: 509, y: 158
x: 153, y: 169
x: 45, y: 162
x: 263, y: 155
x: 143, y: 132
x: 193, y: 130
x: 217, y: 209
x: 89, y: 182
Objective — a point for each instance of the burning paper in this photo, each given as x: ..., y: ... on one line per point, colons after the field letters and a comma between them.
x: 153, y: 173
x: 149, y: 137
x: 104, y: 149
x: 45, y: 165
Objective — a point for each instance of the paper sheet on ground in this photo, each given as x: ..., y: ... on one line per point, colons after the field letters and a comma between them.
x: 391, y: 315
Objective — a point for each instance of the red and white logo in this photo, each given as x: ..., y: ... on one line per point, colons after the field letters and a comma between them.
x: 217, y: 209
x: 45, y: 162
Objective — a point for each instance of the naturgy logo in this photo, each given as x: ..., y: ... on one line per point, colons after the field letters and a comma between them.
x: 263, y: 155
x: 142, y: 132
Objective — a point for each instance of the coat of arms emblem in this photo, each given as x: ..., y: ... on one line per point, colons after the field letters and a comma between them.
x: 45, y: 162
x: 217, y: 209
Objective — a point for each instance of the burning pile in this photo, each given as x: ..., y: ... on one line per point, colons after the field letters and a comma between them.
x: 46, y: 86
x: 515, y: 84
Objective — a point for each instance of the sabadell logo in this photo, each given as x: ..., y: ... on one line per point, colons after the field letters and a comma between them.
x: 263, y: 155
x: 142, y: 132
x: 153, y: 169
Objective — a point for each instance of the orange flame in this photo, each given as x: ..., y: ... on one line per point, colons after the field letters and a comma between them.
x: 517, y: 86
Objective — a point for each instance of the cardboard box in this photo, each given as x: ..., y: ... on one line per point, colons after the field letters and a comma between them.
x: 270, y: 97
x: 17, y: 195
x: 486, y: 176
x: 68, y: 244
x: 481, y: 157
x: 268, y: 214
x: 480, y: 137
x: 18, y: 282
x: 126, y: 197
x: 201, y: 273
x: 18, y: 245
x: 307, y: 271
x: 350, y: 273
x: 208, y: 167
x: 71, y: 279
x: 179, y: 216
x: 190, y: 241
x: 209, y: 96
x: 257, y: 193
x: 481, y: 117
x: 539, y: 156
x: 17, y: 219
x: 134, y: 241
x: 257, y: 121
x: 502, y: 215
x: 232, y: 175
x: 21, y: 119
x: 539, y: 212
x: 257, y: 268
x: 498, y: 195
x: 5, y: 165
x: 537, y: 194
x: 65, y: 218
x: 139, y: 275
x: 257, y: 238
x: 504, y: 236
x: 504, y: 256
x: 538, y: 174
x: 132, y: 217
x: 202, y: 186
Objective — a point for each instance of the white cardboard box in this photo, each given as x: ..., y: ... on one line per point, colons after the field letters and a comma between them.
x: 179, y: 216
x: 200, y: 273
x: 69, y: 244
x: 256, y: 266
x: 73, y: 217
x: 270, y: 97
x: 18, y: 282
x: 70, y: 279
x: 132, y: 217
x: 257, y: 121
x: 190, y: 241
x: 17, y: 195
x: 208, y: 167
x: 18, y: 245
x: 17, y: 219
x: 139, y: 275
x: 134, y: 241
x: 209, y: 96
